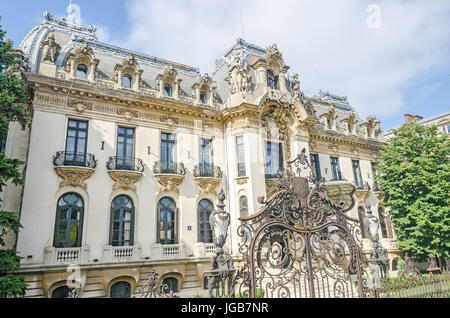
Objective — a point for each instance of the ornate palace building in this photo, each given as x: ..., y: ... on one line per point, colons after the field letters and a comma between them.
x: 126, y: 152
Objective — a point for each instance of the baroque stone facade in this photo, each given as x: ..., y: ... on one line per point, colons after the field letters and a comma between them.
x: 166, y: 139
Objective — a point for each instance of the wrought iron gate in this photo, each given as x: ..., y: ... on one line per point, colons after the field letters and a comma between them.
x: 301, y: 243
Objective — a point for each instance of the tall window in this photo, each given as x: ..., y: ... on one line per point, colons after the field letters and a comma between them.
x: 357, y: 173
x: 167, y: 152
x: 122, y: 221
x: 3, y: 143
x: 383, y: 225
x: 166, y: 225
x: 274, y: 159
x: 335, y: 170
x: 361, y: 215
x: 125, y: 148
x: 202, y: 97
x: 167, y: 90
x: 170, y: 284
x: 272, y: 80
x: 240, y: 156
x: 120, y: 290
x: 76, y: 143
x: 205, y: 156
x: 126, y: 81
x: 205, y: 208
x: 329, y: 124
x: 373, y: 166
x: 69, y: 221
x: 82, y: 71
x: 315, y: 166
x: 243, y: 206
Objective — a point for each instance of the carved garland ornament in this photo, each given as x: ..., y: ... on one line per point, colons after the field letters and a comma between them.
x: 208, y: 185
x: 124, y: 179
x: 169, y: 182
x: 73, y: 176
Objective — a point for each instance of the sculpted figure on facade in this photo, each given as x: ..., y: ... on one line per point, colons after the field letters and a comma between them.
x: 50, y: 48
x: 238, y: 79
x: 22, y: 61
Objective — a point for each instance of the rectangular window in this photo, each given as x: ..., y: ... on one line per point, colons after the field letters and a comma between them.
x: 167, y: 153
x: 357, y: 173
x: 240, y: 156
x: 125, y: 149
x: 335, y: 170
x: 76, y: 143
x: 315, y: 166
x: 376, y: 187
x: 205, y: 157
x: 3, y: 143
x: 274, y: 159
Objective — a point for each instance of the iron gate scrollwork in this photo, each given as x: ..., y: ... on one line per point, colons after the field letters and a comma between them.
x: 301, y: 243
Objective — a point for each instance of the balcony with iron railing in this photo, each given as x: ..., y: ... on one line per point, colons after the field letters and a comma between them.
x: 74, y: 159
x: 169, y: 175
x: 125, y: 163
x: 74, y: 167
x: 207, y: 177
x: 125, y: 171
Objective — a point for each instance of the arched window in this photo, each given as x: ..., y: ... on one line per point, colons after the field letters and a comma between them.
x: 122, y: 221
x: 272, y: 80
x: 202, y: 97
x: 69, y: 221
x: 170, y: 284
x: 126, y: 81
x: 394, y: 264
x: 82, y: 71
x: 167, y: 90
x: 166, y: 224
x: 361, y: 215
x: 243, y: 206
x: 61, y: 292
x: 383, y: 226
x: 205, y: 208
x: 120, y: 290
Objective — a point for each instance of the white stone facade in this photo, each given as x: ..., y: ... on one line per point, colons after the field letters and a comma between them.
x: 236, y: 101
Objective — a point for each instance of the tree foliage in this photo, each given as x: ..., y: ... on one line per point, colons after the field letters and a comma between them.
x: 13, y: 100
x: 414, y: 174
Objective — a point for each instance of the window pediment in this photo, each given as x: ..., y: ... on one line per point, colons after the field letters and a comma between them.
x: 203, y: 90
x: 82, y: 55
x: 169, y: 76
x: 129, y: 68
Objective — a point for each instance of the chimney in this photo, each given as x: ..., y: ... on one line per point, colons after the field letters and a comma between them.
x: 409, y: 118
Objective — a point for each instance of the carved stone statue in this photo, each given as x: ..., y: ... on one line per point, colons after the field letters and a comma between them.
x: 237, y: 78
x: 371, y: 223
x: 50, y: 48
x: 295, y: 84
x: 21, y: 66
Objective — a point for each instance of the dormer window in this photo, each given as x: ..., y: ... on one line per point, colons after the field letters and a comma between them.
x: 272, y: 80
x: 202, y: 97
x: 329, y: 123
x: 350, y: 129
x: 126, y: 81
x: 369, y: 132
x: 82, y: 71
x: 167, y: 90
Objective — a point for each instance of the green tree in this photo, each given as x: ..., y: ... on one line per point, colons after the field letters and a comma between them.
x: 13, y: 100
x: 414, y: 174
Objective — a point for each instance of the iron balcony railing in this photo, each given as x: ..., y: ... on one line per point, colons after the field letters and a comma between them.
x: 79, y: 159
x: 207, y: 170
x: 363, y: 186
x: 125, y: 163
x: 274, y: 174
x: 168, y: 167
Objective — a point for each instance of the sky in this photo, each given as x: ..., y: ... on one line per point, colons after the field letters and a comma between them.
x: 389, y: 57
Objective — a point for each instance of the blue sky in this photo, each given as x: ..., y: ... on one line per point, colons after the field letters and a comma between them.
x: 390, y: 57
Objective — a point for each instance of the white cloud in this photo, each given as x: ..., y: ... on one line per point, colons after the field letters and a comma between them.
x: 327, y: 42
